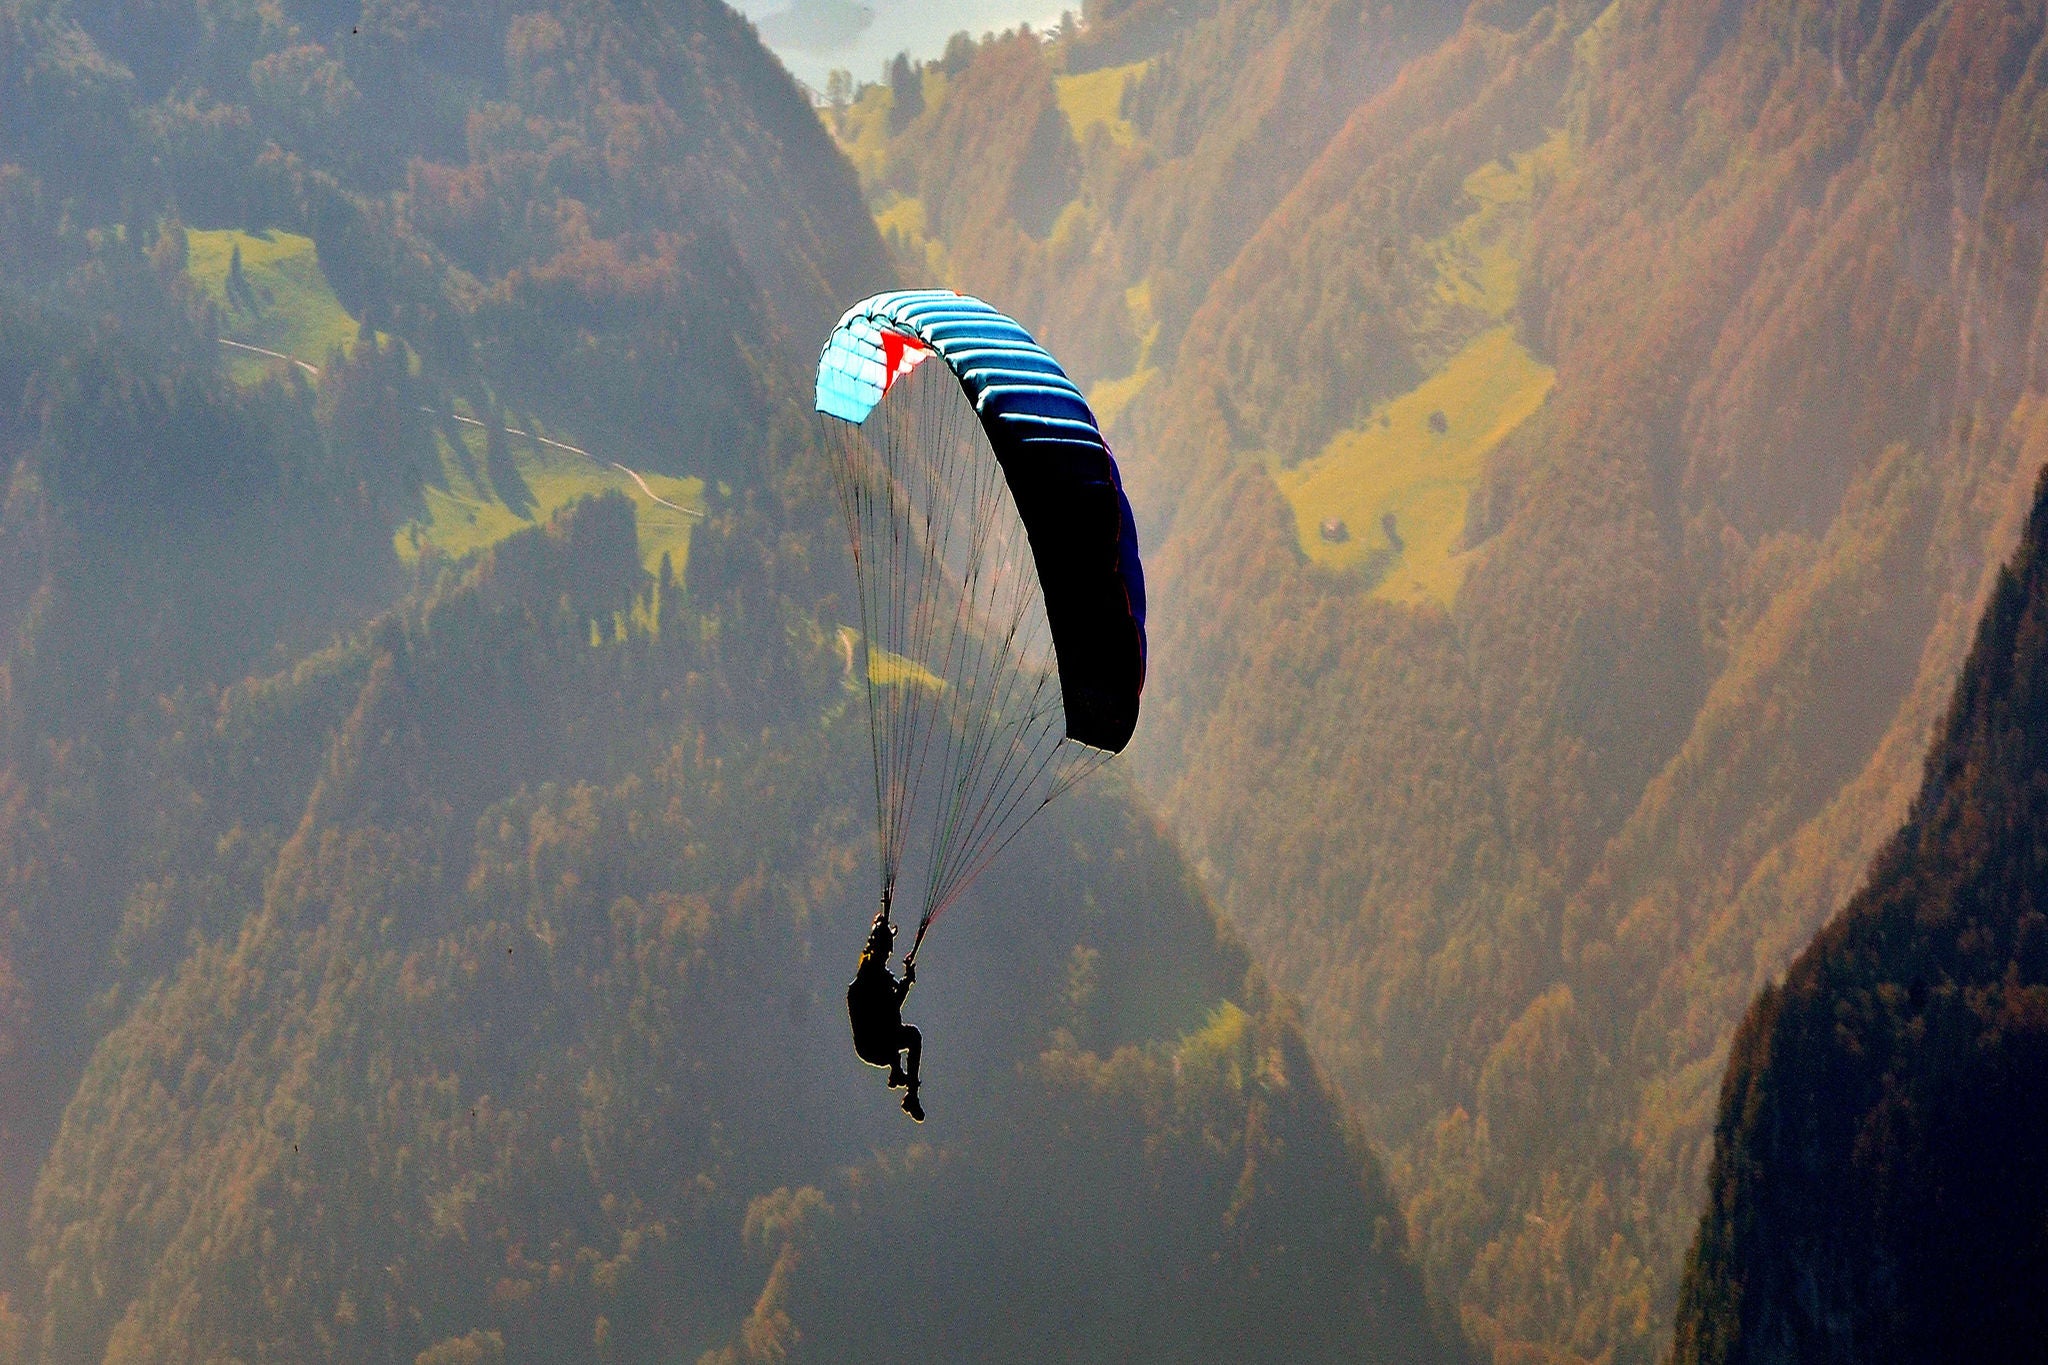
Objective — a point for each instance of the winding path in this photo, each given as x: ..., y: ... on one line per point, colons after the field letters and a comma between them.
x: 313, y: 370
x: 633, y: 474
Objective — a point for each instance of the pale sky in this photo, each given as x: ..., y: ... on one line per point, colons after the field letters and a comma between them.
x: 920, y: 27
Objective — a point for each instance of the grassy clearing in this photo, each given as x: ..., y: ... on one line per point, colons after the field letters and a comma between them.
x: 888, y: 669
x: 862, y: 128
x: 1479, y: 262
x: 468, y: 512
x: 1111, y: 396
x: 283, y: 302
x: 862, y: 131
x: 901, y: 222
x: 1096, y: 98
x: 1138, y: 306
x: 894, y: 670
x: 1397, y: 463
x: 1219, y: 1052
x: 904, y: 216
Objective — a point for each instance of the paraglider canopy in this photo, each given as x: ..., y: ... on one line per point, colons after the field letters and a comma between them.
x: 1002, y: 597
x: 1061, y: 475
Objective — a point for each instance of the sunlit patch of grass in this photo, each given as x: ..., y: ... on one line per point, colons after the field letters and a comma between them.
x: 887, y: 668
x: 1588, y: 46
x: 895, y: 670
x: 466, y: 513
x: 1479, y: 262
x: 1096, y: 98
x: 1144, y: 322
x: 557, y: 478
x: 458, y: 526
x: 862, y: 131
x: 1398, y: 464
x: 1073, y: 230
x: 1219, y: 1052
x: 904, y: 216
x: 284, y: 303
x: 901, y: 222
x: 1110, y: 397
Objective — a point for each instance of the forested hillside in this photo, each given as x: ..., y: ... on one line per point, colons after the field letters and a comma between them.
x: 1573, y: 494
x: 530, y: 1025
x: 1097, y: 185
x: 1879, y: 1190
x: 431, y: 806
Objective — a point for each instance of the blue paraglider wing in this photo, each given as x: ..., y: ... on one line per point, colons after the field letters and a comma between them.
x: 1069, y: 495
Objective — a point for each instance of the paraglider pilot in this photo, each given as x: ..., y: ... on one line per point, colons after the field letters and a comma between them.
x: 874, y: 1002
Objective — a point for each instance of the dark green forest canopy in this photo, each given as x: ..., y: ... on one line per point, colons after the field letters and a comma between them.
x: 1880, y: 1184
x: 439, y: 958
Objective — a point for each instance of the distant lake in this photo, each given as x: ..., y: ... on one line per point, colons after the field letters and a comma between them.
x: 814, y: 36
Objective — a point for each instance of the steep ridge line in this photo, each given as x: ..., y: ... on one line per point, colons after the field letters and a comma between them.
x: 1877, y: 1189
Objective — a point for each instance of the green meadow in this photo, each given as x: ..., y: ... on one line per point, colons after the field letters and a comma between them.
x: 1109, y: 397
x: 862, y: 128
x: 901, y: 222
x: 1096, y: 98
x: 887, y: 668
x: 1398, y: 462
x: 282, y: 303
x: 1479, y: 262
x: 469, y: 511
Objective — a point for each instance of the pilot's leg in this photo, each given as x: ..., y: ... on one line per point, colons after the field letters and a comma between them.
x: 913, y: 1041
x: 915, y: 1044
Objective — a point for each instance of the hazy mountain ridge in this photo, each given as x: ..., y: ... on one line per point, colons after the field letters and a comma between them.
x: 1877, y: 1191
x: 186, y: 115
x: 1526, y: 859
x: 1227, y: 105
x: 1229, y: 1203
x: 1336, y: 280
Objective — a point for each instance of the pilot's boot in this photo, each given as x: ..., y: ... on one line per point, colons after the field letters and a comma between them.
x: 912, y: 1107
x: 897, y: 1080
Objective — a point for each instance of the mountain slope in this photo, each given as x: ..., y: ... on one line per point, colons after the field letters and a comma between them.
x: 1525, y: 799
x: 1690, y: 671
x: 1219, y: 109
x: 1878, y: 1190
x: 538, y: 1002
x: 146, y: 497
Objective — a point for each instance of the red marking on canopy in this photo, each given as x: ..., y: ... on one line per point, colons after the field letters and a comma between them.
x: 900, y: 354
